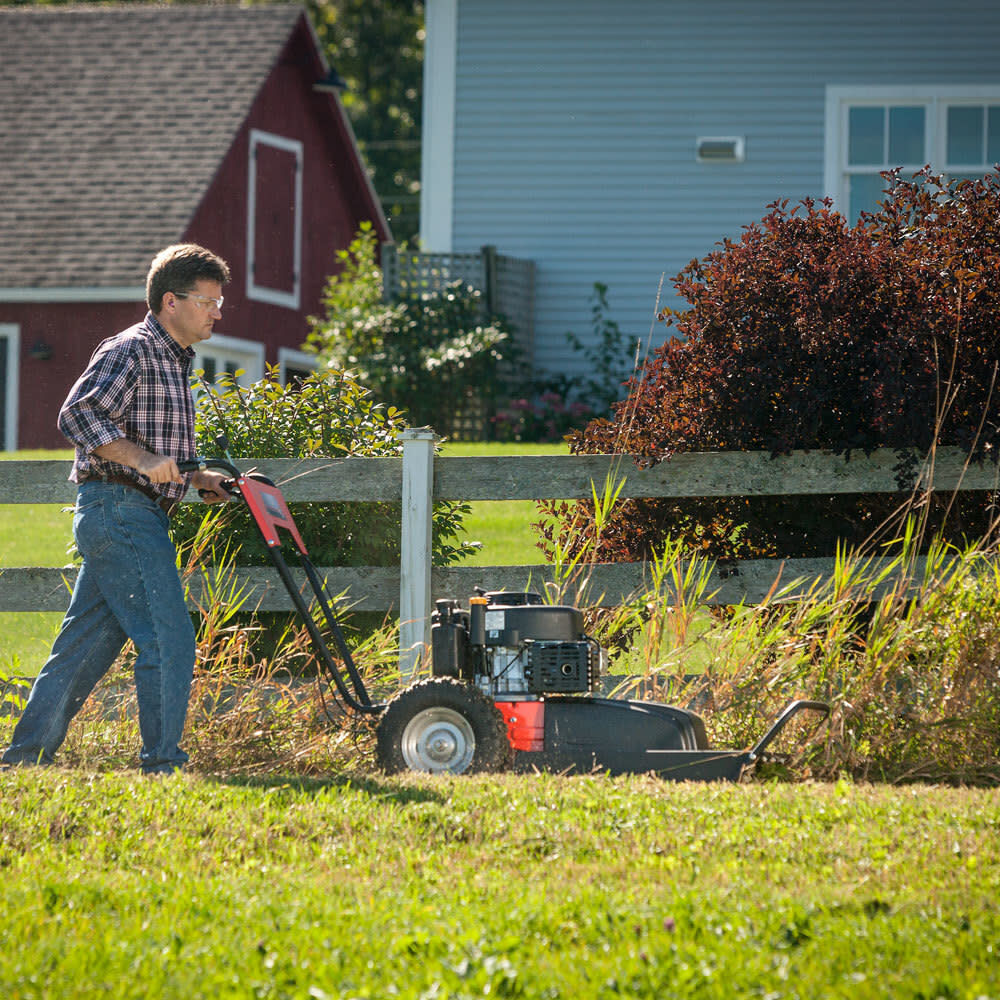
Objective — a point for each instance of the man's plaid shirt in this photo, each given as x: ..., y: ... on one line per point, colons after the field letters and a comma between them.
x: 137, y: 386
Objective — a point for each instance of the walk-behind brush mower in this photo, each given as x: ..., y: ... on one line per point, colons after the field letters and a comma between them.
x: 513, y: 683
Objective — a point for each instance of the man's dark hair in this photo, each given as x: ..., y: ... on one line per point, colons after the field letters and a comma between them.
x: 178, y: 267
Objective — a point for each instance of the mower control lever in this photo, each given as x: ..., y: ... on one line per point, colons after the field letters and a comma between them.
x: 229, y: 485
x: 202, y: 464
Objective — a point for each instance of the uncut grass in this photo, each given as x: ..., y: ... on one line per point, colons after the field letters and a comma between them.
x: 913, y: 683
x: 904, y: 647
x: 512, y: 886
x: 908, y: 662
x: 259, y: 703
x: 912, y: 680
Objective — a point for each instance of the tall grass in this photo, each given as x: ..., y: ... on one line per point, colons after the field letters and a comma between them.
x: 905, y: 649
x: 904, y: 646
x: 258, y: 704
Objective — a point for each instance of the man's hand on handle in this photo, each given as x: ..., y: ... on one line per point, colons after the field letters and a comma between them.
x: 162, y: 469
x: 209, y: 486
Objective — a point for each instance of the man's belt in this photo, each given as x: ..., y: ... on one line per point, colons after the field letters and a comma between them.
x: 167, y: 506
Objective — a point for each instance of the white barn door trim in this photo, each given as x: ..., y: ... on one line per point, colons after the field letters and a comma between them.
x: 10, y: 334
x: 278, y: 297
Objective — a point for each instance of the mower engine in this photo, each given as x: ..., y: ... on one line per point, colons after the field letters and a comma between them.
x: 513, y: 647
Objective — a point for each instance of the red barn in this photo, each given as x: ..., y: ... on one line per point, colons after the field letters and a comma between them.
x: 125, y: 129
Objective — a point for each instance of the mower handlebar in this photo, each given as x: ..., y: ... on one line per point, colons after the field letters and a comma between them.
x: 201, y: 464
x: 359, y: 700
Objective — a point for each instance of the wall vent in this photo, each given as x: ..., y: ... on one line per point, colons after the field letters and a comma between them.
x: 721, y: 149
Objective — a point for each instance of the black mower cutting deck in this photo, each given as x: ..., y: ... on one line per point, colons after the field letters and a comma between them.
x: 627, y: 737
x: 512, y: 683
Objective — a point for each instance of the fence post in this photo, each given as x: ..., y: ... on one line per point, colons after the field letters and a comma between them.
x: 415, y: 554
x: 390, y: 271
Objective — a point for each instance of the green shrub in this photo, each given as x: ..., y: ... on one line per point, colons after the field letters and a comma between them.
x: 433, y: 355
x: 809, y: 333
x: 326, y: 415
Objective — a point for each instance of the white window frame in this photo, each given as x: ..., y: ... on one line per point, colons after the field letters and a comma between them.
x: 296, y: 359
x: 936, y: 98
x: 238, y: 348
x: 11, y: 332
x: 275, y: 296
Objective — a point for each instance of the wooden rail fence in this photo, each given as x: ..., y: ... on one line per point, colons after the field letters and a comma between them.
x: 419, y: 478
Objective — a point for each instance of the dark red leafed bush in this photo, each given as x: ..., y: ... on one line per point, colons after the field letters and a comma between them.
x: 810, y: 333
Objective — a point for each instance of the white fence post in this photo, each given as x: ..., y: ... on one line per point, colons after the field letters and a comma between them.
x: 415, y: 554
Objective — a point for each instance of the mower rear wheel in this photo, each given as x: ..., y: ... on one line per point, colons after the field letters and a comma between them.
x: 442, y: 725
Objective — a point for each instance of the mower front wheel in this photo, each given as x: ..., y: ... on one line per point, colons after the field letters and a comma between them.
x: 442, y: 725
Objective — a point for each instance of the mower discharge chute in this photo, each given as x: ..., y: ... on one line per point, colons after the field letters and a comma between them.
x: 514, y: 683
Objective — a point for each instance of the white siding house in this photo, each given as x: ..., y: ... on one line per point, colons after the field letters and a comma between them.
x: 615, y: 141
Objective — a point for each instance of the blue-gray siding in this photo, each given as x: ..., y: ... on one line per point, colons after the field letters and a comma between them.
x: 575, y: 127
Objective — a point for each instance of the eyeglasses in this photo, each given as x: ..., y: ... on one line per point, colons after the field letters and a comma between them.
x: 205, y: 301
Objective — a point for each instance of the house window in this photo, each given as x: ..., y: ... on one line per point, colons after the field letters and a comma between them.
x: 293, y: 366
x: 973, y: 139
x: 274, y: 219
x: 872, y: 129
x: 222, y: 355
x: 10, y: 341
x: 880, y: 137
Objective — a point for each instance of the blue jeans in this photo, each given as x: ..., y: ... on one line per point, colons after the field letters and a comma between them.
x: 128, y: 587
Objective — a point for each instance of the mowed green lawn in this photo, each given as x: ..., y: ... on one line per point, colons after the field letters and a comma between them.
x: 532, y: 886
x: 39, y: 535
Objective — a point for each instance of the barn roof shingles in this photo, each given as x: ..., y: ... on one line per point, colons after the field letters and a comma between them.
x: 113, y: 122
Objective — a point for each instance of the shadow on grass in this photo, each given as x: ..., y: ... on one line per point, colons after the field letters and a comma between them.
x: 375, y: 787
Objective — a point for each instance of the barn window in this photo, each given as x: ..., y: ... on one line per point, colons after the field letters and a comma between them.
x: 224, y: 355
x: 274, y: 219
x: 293, y: 366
